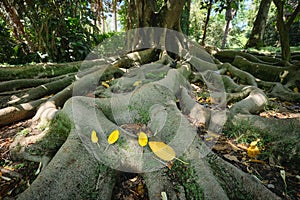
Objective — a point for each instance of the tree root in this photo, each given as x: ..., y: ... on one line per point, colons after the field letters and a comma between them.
x: 46, y: 70
x: 262, y: 71
x: 78, y: 170
x: 12, y: 114
x: 252, y: 104
x: 26, y: 83
x: 72, y: 174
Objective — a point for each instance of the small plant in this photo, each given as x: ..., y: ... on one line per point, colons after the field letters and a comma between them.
x: 141, y: 115
x: 185, y: 176
x: 242, y: 132
x: 24, y: 132
x: 19, y: 166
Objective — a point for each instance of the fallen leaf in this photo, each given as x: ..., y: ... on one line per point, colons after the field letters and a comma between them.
x: 163, y: 151
x: 231, y: 157
x: 39, y: 169
x: 164, y: 196
x: 113, y: 137
x: 242, y: 146
x: 233, y: 146
x: 136, y: 83
x: 94, y: 137
x: 257, y: 161
x: 253, y: 150
x: 282, y: 174
x: 105, y: 84
x: 170, y: 164
x: 140, y: 189
x: 142, y: 139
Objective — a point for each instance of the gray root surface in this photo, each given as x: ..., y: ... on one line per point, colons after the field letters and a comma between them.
x: 76, y: 172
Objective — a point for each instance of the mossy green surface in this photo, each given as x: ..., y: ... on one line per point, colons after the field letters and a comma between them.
x: 57, y: 134
x: 183, y: 176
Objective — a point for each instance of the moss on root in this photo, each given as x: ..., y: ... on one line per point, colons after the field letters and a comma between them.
x: 57, y: 134
x: 183, y: 177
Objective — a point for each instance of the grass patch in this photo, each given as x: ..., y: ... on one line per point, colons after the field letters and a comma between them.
x: 243, y: 132
x: 183, y: 175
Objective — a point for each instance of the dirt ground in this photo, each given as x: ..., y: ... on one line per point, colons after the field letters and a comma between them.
x: 16, y: 176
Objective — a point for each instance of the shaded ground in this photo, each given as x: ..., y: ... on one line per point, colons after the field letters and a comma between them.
x: 17, y: 176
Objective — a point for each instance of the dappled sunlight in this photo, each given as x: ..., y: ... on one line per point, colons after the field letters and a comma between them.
x: 259, y: 99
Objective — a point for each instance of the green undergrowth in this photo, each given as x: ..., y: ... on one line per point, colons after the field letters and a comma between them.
x: 285, y: 149
x: 245, y: 133
x: 183, y: 177
x: 57, y: 134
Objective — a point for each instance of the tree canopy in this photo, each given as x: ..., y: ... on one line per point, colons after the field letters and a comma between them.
x: 67, y: 31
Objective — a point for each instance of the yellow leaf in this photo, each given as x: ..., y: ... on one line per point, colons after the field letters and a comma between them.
x: 94, y: 137
x: 113, y: 137
x: 136, y: 83
x: 253, y: 150
x: 143, y: 139
x: 296, y: 90
x: 162, y: 150
x: 105, y: 84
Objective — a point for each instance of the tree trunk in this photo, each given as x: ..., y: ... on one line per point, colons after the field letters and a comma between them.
x: 206, y: 22
x: 284, y: 40
x: 284, y: 27
x: 167, y: 17
x: 226, y: 32
x: 230, y: 13
x: 129, y: 15
x: 115, y: 15
x: 257, y: 33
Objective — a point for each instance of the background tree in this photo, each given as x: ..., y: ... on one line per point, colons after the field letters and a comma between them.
x: 231, y: 9
x: 285, y: 19
x: 258, y: 30
x: 185, y: 17
x: 207, y: 5
x: 55, y: 31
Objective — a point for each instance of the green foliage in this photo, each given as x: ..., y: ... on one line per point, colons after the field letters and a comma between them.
x: 24, y: 132
x: 185, y: 18
x: 11, y: 51
x: 243, y: 132
x: 185, y: 176
x: 6, y: 50
x: 141, y: 114
x: 57, y: 134
x: 110, y: 44
x: 60, y: 31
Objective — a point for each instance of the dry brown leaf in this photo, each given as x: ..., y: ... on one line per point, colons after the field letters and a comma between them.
x: 231, y: 157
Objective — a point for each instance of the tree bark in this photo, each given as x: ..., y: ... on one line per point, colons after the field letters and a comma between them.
x: 115, y: 15
x: 206, y: 22
x: 167, y: 17
x: 257, y: 33
x: 230, y: 13
x: 284, y: 27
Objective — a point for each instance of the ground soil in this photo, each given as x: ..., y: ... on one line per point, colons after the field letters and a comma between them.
x: 16, y: 176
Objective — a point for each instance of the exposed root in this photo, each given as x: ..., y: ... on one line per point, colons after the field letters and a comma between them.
x: 12, y: 114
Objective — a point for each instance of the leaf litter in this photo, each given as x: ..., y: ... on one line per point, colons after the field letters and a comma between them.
x: 15, y: 177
